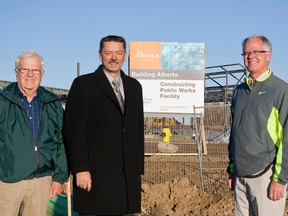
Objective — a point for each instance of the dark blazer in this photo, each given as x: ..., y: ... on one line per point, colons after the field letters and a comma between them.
x: 109, y: 144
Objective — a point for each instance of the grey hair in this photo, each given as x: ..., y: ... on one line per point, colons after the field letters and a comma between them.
x: 266, y: 43
x: 28, y: 54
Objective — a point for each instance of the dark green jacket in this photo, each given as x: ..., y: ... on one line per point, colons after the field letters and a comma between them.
x: 19, y: 157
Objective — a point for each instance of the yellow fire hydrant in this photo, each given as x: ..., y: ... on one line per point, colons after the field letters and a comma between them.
x: 166, y: 134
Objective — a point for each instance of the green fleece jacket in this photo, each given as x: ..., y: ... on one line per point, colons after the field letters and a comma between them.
x: 259, y: 132
x: 19, y: 157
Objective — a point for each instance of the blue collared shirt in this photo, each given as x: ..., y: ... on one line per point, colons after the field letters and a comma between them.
x: 33, y: 112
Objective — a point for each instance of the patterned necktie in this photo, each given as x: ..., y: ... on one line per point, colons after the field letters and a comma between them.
x: 118, y: 94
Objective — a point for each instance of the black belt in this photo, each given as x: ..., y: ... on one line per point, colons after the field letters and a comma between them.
x: 261, y: 173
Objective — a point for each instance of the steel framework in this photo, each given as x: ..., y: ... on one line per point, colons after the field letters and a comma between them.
x: 220, y: 81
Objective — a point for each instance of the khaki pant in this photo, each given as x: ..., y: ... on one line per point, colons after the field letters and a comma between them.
x: 25, y: 198
x: 251, y: 197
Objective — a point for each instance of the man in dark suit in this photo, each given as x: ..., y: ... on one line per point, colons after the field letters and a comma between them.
x: 105, y: 136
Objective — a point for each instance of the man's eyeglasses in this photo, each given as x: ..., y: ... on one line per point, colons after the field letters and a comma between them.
x: 255, y: 52
x: 26, y: 71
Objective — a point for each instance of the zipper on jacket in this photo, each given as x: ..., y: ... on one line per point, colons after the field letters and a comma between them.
x: 37, y: 160
x: 36, y: 146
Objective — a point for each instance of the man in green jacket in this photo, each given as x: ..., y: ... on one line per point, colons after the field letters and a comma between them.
x: 33, y: 163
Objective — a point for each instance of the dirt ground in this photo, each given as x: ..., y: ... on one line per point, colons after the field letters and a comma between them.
x: 180, y: 197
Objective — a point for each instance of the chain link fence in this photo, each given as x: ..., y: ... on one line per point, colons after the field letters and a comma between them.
x: 213, y: 132
x: 196, y: 148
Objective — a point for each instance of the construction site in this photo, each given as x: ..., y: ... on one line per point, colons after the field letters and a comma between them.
x: 185, y: 157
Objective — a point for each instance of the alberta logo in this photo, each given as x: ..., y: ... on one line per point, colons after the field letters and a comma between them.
x: 145, y: 55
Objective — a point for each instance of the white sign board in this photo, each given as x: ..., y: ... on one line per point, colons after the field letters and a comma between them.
x: 173, y: 82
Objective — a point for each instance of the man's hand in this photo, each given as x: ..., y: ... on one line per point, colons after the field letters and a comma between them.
x: 55, y: 188
x: 276, y: 191
x: 231, y: 181
x: 83, y: 180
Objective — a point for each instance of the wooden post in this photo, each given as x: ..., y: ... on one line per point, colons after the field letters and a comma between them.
x: 69, y: 208
x: 203, y: 135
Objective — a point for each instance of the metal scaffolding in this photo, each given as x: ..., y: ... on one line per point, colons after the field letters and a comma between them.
x: 220, y: 81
